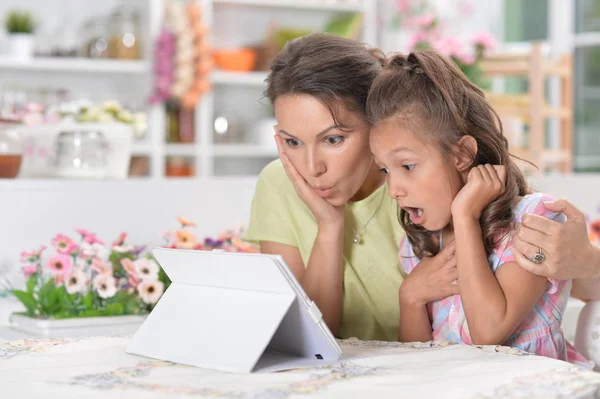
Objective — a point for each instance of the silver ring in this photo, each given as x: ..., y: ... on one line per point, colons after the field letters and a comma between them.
x: 539, y: 257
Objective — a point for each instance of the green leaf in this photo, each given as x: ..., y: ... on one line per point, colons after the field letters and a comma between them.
x: 31, y: 284
x: 27, y: 300
x: 114, y: 309
x: 88, y: 300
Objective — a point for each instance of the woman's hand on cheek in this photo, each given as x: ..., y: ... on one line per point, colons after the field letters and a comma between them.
x: 433, y: 279
x: 326, y: 214
x: 484, y: 184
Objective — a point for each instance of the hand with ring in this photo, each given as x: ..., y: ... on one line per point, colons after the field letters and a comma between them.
x: 556, y: 250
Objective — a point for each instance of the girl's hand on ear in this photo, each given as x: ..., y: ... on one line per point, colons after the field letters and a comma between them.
x: 484, y: 184
x: 326, y: 214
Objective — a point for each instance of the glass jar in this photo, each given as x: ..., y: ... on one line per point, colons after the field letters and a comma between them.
x: 95, y: 39
x: 11, y: 151
x: 124, y: 40
x: 81, y: 153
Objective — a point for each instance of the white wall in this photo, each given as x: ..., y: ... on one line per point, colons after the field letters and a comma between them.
x: 32, y: 212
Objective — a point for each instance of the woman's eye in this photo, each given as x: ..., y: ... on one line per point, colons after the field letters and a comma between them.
x: 334, y: 139
x: 385, y: 171
x: 408, y: 168
x: 292, y: 142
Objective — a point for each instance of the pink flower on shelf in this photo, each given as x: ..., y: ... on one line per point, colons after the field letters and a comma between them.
x: 485, y: 40
x: 106, y: 286
x: 101, y: 267
x: 64, y: 244
x: 28, y: 270
x: 415, y: 39
x: 420, y: 22
x: 32, y: 256
x: 448, y: 46
x: 468, y: 59
x: 76, y: 281
x: 150, y: 290
x: 403, y: 6
x: 60, y: 264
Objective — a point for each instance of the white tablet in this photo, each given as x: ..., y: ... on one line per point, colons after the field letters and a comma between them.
x: 236, y: 312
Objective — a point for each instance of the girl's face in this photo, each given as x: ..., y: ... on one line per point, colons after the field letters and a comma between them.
x: 333, y: 162
x: 419, y: 177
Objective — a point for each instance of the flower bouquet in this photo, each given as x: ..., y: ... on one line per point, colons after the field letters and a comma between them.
x: 86, y: 278
x: 229, y: 240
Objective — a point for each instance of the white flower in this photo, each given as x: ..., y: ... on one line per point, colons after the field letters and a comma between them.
x: 81, y: 264
x: 146, y: 269
x: 111, y: 106
x: 76, y: 281
x: 150, y: 291
x: 105, y: 117
x: 123, y: 248
x: 95, y: 250
x: 105, y: 285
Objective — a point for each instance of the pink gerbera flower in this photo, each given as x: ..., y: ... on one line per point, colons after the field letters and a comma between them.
x: 92, y: 239
x: 29, y: 270
x: 83, y: 232
x: 101, y: 267
x: 32, y: 256
x: 64, y: 244
x: 60, y: 264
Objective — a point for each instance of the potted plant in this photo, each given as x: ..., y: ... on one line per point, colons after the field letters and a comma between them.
x: 20, y: 26
x: 86, y: 285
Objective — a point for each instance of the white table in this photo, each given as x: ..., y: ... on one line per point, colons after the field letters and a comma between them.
x: 99, y: 368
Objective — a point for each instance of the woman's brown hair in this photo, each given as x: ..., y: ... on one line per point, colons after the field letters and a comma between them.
x: 329, y: 68
x: 429, y: 92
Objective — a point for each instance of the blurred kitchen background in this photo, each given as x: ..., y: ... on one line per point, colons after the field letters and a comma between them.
x: 153, y: 89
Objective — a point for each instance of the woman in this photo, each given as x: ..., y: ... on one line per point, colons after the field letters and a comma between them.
x: 323, y: 206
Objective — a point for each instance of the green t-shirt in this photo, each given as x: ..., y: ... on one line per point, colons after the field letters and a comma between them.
x: 372, y: 273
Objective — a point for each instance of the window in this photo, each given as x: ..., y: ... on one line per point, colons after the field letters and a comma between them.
x: 587, y: 85
x: 587, y: 16
x: 525, y: 20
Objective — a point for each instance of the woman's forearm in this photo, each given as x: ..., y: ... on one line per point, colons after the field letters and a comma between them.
x: 589, y: 289
x: 323, y: 279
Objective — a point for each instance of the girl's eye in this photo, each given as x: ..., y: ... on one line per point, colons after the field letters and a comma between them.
x: 408, y: 168
x: 334, y: 139
x: 385, y: 171
x: 292, y: 142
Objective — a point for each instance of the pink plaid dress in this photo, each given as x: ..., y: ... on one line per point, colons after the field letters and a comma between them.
x: 540, y: 333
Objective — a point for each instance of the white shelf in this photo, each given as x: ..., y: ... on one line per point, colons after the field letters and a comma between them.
x: 181, y: 149
x: 339, y: 5
x: 244, y: 151
x: 63, y: 64
x: 238, y: 78
x: 141, y: 149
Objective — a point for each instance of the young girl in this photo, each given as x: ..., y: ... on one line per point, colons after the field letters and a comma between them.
x: 448, y: 166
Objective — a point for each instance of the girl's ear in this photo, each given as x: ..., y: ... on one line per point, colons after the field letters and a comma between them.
x: 467, y: 151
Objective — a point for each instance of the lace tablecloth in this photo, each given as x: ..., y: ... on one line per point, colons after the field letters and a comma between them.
x: 98, y: 367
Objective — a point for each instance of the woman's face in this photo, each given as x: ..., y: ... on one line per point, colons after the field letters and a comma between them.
x: 334, y: 162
